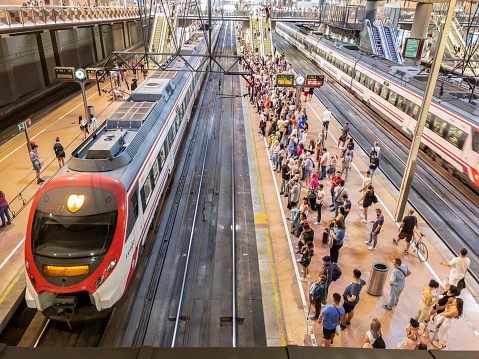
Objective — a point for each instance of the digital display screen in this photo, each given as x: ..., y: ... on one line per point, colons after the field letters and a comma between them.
x: 91, y: 74
x: 65, y: 73
x: 284, y: 80
x: 411, y: 48
x: 314, y: 80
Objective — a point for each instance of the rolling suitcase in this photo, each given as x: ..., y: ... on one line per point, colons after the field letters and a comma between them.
x: 326, y: 235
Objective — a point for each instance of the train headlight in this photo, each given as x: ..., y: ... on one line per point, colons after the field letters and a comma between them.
x: 27, y: 266
x: 75, y: 202
x: 99, y: 281
x: 111, y: 265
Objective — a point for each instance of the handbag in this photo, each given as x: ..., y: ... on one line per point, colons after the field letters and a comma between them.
x: 331, y: 240
x: 402, y: 343
x: 338, y: 327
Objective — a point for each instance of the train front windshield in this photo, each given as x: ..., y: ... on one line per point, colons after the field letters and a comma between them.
x: 67, y: 236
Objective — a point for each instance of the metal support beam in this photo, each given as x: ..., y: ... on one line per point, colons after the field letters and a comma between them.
x: 426, y: 102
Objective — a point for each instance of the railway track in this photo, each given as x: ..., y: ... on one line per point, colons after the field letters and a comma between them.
x: 449, y: 207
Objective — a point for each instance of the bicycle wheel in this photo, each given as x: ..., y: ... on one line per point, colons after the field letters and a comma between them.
x: 421, y: 250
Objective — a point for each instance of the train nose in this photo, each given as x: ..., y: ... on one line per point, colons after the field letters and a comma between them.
x: 65, y: 305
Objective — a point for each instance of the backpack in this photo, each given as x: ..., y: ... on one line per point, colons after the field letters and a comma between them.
x: 379, y: 343
x: 336, y: 272
x: 319, y: 291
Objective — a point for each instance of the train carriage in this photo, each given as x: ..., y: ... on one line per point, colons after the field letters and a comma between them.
x: 451, y: 135
x: 88, y: 224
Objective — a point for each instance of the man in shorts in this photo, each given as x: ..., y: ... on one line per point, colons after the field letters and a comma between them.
x: 406, y: 229
x: 330, y: 318
x: 351, y: 298
x: 36, y: 163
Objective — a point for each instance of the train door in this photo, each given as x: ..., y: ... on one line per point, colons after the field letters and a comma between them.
x: 134, y: 224
x: 471, y: 155
x: 367, y: 83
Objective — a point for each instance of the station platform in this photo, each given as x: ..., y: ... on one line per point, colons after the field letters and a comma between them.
x: 19, y: 178
x: 286, y: 297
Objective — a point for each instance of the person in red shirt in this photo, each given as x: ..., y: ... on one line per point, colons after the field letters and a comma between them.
x: 334, y: 182
x: 4, y: 210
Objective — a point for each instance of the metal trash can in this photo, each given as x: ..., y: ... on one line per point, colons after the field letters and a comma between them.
x: 91, y: 112
x: 379, y: 274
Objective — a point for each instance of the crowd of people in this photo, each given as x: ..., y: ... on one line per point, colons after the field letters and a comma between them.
x: 283, y: 122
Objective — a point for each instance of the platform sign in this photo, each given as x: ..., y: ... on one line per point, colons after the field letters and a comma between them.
x: 285, y: 80
x: 65, y: 73
x: 411, y: 48
x: 93, y: 73
x: 314, y: 80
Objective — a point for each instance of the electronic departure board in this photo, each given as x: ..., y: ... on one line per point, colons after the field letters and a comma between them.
x: 314, y: 80
x: 65, y: 73
x: 284, y: 80
x: 93, y: 73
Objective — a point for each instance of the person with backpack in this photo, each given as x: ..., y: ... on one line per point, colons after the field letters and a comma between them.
x: 368, y: 198
x: 346, y: 164
x: 59, y: 152
x: 330, y: 317
x: 307, y: 252
x: 374, y: 336
x: 373, y: 165
x: 332, y: 273
x: 318, y: 292
x: 351, y: 298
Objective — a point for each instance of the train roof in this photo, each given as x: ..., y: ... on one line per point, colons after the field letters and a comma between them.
x: 453, y: 97
x: 122, y: 143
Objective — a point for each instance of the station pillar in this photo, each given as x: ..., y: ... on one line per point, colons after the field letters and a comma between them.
x: 370, y: 10
x: 422, y: 16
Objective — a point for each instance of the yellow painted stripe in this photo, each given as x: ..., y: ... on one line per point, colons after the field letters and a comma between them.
x: 270, y: 254
x: 260, y: 215
x: 276, y: 296
x: 11, y: 285
x: 261, y: 221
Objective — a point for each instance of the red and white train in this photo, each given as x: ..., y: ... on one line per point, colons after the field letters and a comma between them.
x: 88, y: 224
x: 451, y: 135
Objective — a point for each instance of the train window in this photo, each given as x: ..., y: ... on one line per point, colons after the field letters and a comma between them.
x: 357, y: 75
x: 363, y: 78
x: 430, y: 121
x: 413, y: 110
x: 456, y: 136
x: 401, y: 104
x: 377, y: 88
x: 163, y: 154
x: 385, y: 93
x: 133, y: 210
x: 393, y: 98
x: 350, y: 70
x: 170, y: 139
x: 370, y: 83
x: 475, y: 140
x: 156, y: 172
x: 146, y: 191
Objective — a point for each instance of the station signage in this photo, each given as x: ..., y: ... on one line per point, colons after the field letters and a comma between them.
x: 92, y: 74
x: 285, y: 80
x: 411, y: 48
x: 65, y: 73
x: 314, y: 80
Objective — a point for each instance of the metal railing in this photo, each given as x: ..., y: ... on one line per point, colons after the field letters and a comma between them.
x: 24, y: 16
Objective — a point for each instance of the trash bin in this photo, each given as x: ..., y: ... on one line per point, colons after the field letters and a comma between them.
x: 91, y: 112
x: 379, y: 274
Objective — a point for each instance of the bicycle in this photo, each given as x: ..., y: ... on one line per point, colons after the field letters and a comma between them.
x: 419, y: 247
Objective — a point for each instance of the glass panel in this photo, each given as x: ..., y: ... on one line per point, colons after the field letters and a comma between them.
x: 475, y: 140
x: 156, y: 172
x: 363, y: 79
x: 377, y: 88
x: 357, y: 75
x: 392, y: 98
x: 73, y: 236
x: 456, y: 136
x: 384, y: 92
x: 402, y: 102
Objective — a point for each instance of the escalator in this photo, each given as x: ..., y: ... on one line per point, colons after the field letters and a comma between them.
x: 379, y: 49
x: 390, y: 45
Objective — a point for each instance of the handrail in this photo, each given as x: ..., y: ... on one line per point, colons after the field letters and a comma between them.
x: 392, y: 31
x: 14, y: 17
x: 368, y: 24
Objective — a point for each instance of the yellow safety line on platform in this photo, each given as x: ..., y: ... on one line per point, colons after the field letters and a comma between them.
x: 268, y: 242
x: 11, y: 285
